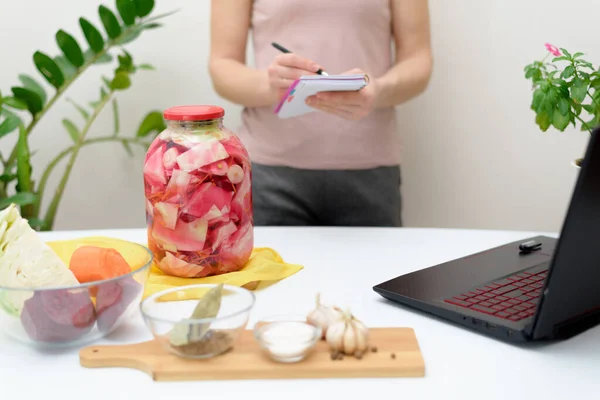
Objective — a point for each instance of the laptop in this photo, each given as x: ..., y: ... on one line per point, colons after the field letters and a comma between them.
x: 535, y: 290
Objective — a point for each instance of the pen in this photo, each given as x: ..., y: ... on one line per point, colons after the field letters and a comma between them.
x: 284, y: 50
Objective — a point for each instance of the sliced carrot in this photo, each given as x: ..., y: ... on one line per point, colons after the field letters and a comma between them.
x: 91, y: 264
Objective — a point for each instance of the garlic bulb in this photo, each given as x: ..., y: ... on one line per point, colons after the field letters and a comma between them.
x: 348, y: 335
x: 323, y: 315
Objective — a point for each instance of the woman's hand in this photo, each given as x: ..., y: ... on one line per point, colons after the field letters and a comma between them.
x: 286, y: 68
x: 349, y: 105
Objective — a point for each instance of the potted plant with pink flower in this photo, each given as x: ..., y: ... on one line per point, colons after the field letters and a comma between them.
x: 566, y: 90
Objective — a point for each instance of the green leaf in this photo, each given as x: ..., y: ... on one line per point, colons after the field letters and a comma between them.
x: 65, y: 66
x: 579, y: 90
x: 560, y: 121
x: 143, y: 7
x: 589, y: 108
x: 110, y: 22
x: 24, y: 183
x: 72, y: 129
x: 121, y: 81
x: 15, y: 103
x: 125, y: 63
x: 22, y: 199
x: 576, y: 108
x: 152, y: 25
x: 595, y: 84
x: 104, y: 59
x: 70, y: 48
x: 566, y: 53
x: 10, y: 123
x: 126, y: 9
x: 563, y: 107
x: 79, y: 108
x: 92, y: 35
x: 36, y: 223
x: 146, y: 67
x: 561, y: 58
x: 34, y: 86
x: 131, y: 36
x: 7, y: 178
x: 568, y: 72
x: 542, y: 119
x: 33, y: 101
x: 160, y: 16
x: 115, y: 108
x: 577, y: 55
x: 152, y: 122
x: 127, y: 148
x: 538, y: 98
x: 106, y: 81
x: 49, y: 69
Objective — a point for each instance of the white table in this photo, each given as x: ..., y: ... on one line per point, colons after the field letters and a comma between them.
x: 343, y: 264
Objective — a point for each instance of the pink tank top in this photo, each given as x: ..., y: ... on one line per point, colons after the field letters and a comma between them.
x: 339, y: 35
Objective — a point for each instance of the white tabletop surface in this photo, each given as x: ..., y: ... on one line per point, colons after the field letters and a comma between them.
x: 343, y: 264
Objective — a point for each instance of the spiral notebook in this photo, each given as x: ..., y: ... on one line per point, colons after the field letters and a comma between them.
x: 293, y: 102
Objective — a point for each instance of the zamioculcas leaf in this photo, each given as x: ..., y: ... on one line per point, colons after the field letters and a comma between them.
x: 110, y: 22
x: 33, y: 101
x: 23, y: 198
x: 115, y: 108
x: 121, y: 81
x: 70, y: 48
x: 146, y: 66
x: 10, y: 123
x: 127, y: 11
x: 15, y: 103
x: 104, y: 59
x: 143, y: 7
x: 79, y: 108
x: 49, y: 69
x: 72, y: 129
x: 92, y: 35
x: 24, y: 183
x: 65, y: 66
x: 152, y: 25
x: 131, y: 36
x: 152, y: 122
x: 32, y: 85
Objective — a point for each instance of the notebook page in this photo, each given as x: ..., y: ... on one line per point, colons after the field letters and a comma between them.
x: 293, y: 103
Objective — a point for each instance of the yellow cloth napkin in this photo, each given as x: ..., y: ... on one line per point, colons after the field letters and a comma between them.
x: 264, y: 267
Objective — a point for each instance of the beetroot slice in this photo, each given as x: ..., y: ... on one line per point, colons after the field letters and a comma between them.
x: 113, y: 299
x: 58, y: 316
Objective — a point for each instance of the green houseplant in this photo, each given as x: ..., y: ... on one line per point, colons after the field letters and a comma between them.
x: 566, y: 90
x: 29, y: 102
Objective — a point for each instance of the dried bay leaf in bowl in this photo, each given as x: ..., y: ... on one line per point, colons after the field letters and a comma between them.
x: 187, y: 331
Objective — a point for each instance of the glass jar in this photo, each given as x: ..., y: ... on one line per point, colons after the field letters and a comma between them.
x: 197, y: 183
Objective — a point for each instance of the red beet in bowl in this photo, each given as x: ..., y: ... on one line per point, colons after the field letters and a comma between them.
x: 79, y: 314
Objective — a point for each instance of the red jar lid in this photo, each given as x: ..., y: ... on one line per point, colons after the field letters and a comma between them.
x: 193, y: 113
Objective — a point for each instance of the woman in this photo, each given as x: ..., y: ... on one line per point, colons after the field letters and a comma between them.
x: 339, y: 165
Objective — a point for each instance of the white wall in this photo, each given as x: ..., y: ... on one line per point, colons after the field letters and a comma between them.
x: 473, y: 156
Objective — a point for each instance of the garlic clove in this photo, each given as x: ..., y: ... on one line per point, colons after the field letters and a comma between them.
x: 323, y: 315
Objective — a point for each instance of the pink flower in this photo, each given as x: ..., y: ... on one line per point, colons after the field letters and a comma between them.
x: 553, y: 49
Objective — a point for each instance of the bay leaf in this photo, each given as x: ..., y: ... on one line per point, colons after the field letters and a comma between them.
x: 209, y: 304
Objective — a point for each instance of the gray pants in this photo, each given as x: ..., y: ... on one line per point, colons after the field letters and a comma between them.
x: 284, y: 196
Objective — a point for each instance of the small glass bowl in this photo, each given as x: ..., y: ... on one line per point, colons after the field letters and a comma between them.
x: 168, y: 312
x: 57, y: 317
x: 287, y: 339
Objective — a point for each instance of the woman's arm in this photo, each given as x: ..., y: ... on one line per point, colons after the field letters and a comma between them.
x: 414, y: 62
x: 406, y: 79
x: 231, y: 77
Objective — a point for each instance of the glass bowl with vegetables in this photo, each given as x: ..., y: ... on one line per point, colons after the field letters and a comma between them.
x: 198, y: 321
x: 68, y: 292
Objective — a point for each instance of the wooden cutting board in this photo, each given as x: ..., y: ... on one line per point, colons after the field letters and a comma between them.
x: 397, y: 355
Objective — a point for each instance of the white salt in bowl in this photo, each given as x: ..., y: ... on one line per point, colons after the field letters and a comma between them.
x: 286, y: 339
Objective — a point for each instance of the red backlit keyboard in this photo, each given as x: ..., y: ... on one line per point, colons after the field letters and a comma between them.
x: 513, y: 298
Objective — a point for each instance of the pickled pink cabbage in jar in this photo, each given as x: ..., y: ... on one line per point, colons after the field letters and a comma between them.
x: 197, y: 183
